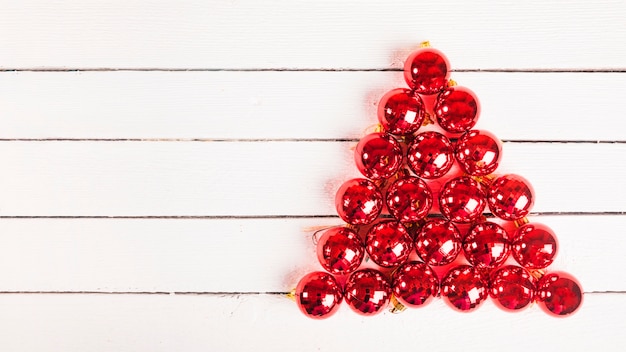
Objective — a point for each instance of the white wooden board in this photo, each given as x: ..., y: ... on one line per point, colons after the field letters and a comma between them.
x: 287, y: 105
x: 260, y: 178
x: 231, y: 255
x: 304, y: 34
x: 273, y: 323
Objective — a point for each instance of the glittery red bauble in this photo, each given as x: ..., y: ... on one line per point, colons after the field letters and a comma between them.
x: 358, y: 201
x: 478, y: 152
x: 318, y: 295
x: 486, y: 245
x: 401, y: 112
x: 430, y: 155
x: 378, y: 156
x: 388, y: 244
x: 457, y: 109
x: 510, y: 197
x: 340, y: 250
x: 534, y: 246
x: 560, y: 293
x: 512, y: 287
x: 414, y: 284
x: 464, y: 287
x: 426, y: 71
x: 367, y: 291
x: 409, y: 199
x: 438, y: 242
x: 461, y: 200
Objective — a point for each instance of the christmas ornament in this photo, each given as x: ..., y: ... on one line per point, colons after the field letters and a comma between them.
x: 412, y: 198
x: 534, y: 246
x: 409, y: 199
x: 378, y: 156
x: 340, y: 251
x: 430, y: 155
x: 512, y: 287
x: 414, y: 284
x: 388, y: 243
x: 438, y: 242
x: 367, y: 292
x: 464, y: 288
x: 486, y: 245
x: 318, y: 295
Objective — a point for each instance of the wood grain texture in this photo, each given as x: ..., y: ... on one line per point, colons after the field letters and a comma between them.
x: 271, y: 323
x: 285, y: 105
x: 303, y: 34
x: 260, y: 178
x: 231, y: 255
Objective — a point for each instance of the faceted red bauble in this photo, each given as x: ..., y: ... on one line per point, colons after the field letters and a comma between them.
x: 510, y: 197
x: 461, y: 200
x: 560, y: 293
x: 430, y: 155
x: 464, y: 287
x: 340, y: 251
x: 388, y: 244
x: 409, y: 199
x: 367, y: 291
x: 478, y: 152
x: 414, y: 284
x: 427, y: 71
x: 401, y: 112
x: 512, y: 287
x: 457, y: 109
x: 438, y: 242
x: 378, y: 156
x: 486, y: 245
x: 358, y: 201
x: 318, y: 295
x: 534, y: 246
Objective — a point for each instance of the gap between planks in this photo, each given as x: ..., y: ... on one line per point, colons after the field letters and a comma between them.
x: 196, y: 293
x: 245, y: 217
x: 291, y: 69
x: 276, y: 140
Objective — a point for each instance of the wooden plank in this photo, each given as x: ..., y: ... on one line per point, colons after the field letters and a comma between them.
x: 245, y: 323
x: 305, y: 105
x: 236, y: 255
x: 284, y: 34
x: 259, y: 178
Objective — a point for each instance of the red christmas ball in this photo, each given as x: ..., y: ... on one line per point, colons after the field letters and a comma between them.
x: 457, y: 109
x: 427, y: 71
x: 318, y: 295
x: 512, y: 287
x: 340, y: 250
x: 367, y: 291
x: 464, y: 288
x: 461, y: 200
x: 486, y: 245
x: 560, y: 293
x: 401, y: 112
x: 534, y: 246
x: 438, y: 242
x: 388, y: 244
x: 378, y: 156
x: 358, y: 201
x: 430, y: 155
x: 414, y: 284
x: 478, y: 152
x: 409, y: 199
x: 510, y: 197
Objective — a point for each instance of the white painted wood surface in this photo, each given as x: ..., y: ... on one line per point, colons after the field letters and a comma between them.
x: 159, y: 185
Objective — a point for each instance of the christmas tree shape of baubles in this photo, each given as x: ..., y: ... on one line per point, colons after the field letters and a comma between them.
x: 457, y: 254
